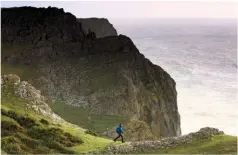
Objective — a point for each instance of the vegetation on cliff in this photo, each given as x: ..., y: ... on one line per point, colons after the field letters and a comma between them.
x: 24, y: 130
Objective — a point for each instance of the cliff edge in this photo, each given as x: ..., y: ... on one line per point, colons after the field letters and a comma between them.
x: 100, y: 26
x: 105, y: 75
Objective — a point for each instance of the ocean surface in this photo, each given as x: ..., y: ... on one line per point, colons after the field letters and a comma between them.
x: 201, y: 55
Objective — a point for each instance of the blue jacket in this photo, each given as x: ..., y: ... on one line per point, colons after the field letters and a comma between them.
x: 119, y: 130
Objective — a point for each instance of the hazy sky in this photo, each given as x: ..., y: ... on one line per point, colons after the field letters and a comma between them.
x: 139, y: 9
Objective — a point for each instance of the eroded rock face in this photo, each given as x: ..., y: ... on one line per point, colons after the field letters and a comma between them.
x: 100, y: 26
x: 106, y: 76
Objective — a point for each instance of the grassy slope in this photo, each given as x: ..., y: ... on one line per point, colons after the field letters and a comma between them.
x: 22, y: 130
x: 220, y: 144
x: 16, y: 131
x: 83, y: 118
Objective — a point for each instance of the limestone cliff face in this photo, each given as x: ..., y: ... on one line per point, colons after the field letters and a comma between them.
x: 100, y: 26
x: 106, y: 75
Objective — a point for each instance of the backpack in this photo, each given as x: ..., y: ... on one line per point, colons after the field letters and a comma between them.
x: 118, y: 129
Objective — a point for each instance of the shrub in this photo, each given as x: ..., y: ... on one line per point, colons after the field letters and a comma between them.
x: 51, y: 135
x: 9, y: 126
x: 23, y: 121
x: 45, y: 122
x: 94, y: 133
x: 11, y: 145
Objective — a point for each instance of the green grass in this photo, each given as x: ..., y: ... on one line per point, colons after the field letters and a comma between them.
x: 49, y: 138
x: 81, y: 117
x: 24, y: 134
x: 91, y: 143
x: 24, y: 131
x: 219, y: 144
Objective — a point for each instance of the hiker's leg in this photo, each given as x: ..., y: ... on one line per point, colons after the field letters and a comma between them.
x: 116, y: 137
x: 122, y: 139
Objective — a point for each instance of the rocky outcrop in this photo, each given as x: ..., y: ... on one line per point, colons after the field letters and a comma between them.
x: 105, y: 76
x: 100, y: 26
x: 143, y: 146
x: 26, y: 91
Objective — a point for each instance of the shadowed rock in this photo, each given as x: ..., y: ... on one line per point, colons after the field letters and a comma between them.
x: 101, y: 26
x: 39, y: 25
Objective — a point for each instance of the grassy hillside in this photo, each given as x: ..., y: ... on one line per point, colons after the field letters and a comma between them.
x: 219, y: 144
x: 83, y: 118
x: 24, y: 131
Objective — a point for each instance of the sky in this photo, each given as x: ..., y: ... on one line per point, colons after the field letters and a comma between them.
x: 139, y: 9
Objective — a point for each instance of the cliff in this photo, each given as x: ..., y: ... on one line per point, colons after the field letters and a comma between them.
x: 106, y: 76
x: 30, y: 25
x: 101, y: 26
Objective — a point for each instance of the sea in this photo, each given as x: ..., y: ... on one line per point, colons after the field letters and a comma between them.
x: 201, y: 56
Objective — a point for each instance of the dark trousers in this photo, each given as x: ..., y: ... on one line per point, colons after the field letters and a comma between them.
x: 119, y: 135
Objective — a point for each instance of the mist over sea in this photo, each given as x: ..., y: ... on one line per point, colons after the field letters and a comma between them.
x: 201, y: 55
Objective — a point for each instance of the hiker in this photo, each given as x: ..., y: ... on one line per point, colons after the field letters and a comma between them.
x: 119, y: 131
